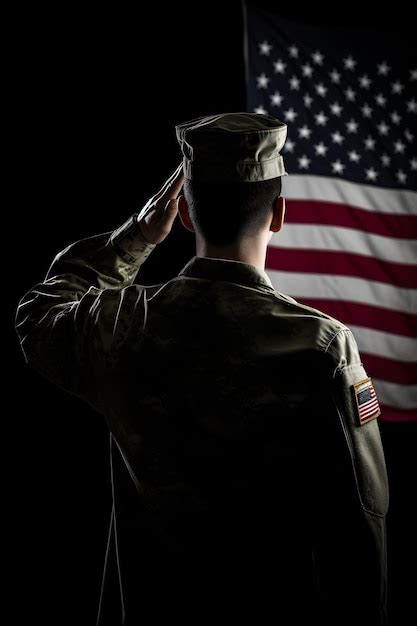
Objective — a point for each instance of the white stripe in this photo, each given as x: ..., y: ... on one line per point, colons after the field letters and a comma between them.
x: 364, y: 415
x: 395, y: 395
x: 373, y: 412
x: 387, y: 345
x: 346, y: 240
x: 368, y: 406
x: 332, y: 287
x: 367, y: 197
x: 369, y: 409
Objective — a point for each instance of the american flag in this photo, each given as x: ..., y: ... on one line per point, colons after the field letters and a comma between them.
x: 367, y: 401
x: 349, y: 247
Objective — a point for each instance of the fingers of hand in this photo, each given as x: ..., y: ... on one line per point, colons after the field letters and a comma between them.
x: 172, y: 186
x: 170, y: 213
x: 158, y: 224
x: 169, y: 190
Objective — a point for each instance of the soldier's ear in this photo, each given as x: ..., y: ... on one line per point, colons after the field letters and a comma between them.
x: 184, y: 214
x: 278, y: 207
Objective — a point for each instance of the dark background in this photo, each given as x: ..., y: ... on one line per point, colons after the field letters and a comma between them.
x: 94, y: 97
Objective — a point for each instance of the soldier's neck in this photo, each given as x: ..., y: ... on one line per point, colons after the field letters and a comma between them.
x: 246, y: 251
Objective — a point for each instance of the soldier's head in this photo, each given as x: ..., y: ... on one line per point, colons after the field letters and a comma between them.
x: 225, y: 213
x: 233, y: 168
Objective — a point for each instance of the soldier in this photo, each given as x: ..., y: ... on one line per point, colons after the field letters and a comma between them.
x: 256, y: 485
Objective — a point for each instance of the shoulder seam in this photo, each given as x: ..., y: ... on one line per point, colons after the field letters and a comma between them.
x: 341, y: 330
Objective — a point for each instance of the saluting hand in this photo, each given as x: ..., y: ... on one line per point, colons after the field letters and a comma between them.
x: 158, y: 215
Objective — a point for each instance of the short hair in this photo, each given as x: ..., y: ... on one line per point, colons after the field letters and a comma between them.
x: 225, y: 213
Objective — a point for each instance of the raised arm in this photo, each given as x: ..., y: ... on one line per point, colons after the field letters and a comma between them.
x: 78, y: 313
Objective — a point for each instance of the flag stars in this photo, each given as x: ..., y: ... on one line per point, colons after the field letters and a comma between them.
x: 323, y: 129
x: 321, y: 119
x: 383, y: 128
x: 369, y: 143
x: 304, y: 162
x: 321, y: 90
x: 276, y: 99
x: 290, y: 115
x: 366, y: 110
x: 365, y: 81
x: 307, y: 70
x: 335, y: 77
x: 354, y: 156
x: 397, y: 87
x: 337, y: 167
x: 352, y: 126
x: 320, y: 149
x: 308, y: 100
x: 371, y: 174
x: 383, y: 68
x: 294, y: 83
x: 265, y: 48
x: 412, y: 106
x: 289, y: 145
x: 350, y: 94
x: 263, y: 81
x: 381, y: 100
x: 279, y: 66
x: 317, y: 57
x: 349, y: 63
x: 304, y: 132
x: 401, y: 176
x: 337, y: 138
x: 336, y: 109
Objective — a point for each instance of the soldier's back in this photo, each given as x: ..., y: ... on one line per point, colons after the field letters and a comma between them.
x: 222, y: 385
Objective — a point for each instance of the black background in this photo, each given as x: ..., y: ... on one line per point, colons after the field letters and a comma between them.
x: 94, y: 96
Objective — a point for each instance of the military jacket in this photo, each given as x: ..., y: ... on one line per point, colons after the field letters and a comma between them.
x: 249, y: 478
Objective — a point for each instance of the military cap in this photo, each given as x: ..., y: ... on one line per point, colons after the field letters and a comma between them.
x: 232, y: 147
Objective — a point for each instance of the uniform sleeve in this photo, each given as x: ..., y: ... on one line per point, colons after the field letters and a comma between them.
x: 357, y: 405
x: 78, y: 315
x: 352, y: 491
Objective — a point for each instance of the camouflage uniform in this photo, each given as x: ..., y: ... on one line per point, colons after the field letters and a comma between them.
x: 259, y: 492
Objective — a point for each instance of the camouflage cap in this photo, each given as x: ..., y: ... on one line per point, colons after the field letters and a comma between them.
x: 241, y: 147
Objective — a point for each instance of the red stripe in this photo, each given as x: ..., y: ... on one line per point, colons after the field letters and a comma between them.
x: 366, y: 315
x: 390, y: 414
x: 365, y: 418
x: 342, y: 264
x: 367, y: 405
x: 368, y: 412
x: 390, y: 370
x: 365, y: 409
x: 333, y: 214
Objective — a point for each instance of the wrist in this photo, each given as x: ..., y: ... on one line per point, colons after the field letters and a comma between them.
x: 140, y: 231
x: 130, y: 242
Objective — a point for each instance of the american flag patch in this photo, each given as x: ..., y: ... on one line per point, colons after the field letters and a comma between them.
x: 366, y: 401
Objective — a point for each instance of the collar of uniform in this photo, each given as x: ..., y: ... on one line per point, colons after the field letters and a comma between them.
x: 225, y: 269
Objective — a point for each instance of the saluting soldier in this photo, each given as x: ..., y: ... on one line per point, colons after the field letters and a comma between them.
x: 249, y: 480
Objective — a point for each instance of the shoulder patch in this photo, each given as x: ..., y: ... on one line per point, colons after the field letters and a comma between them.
x: 366, y: 401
